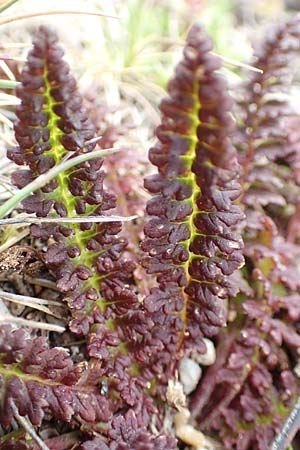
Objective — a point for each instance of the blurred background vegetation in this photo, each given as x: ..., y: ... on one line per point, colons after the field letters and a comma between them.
x: 130, y: 59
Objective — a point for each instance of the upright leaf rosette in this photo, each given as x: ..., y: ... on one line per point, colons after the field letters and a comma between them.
x: 190, y: 238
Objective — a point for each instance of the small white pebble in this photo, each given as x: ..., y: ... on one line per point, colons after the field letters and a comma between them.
x: 208, y: 358
x: 189, y: 373
x: 297, y: 369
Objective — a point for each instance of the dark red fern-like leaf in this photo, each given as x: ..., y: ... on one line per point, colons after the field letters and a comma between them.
x: 87, y: 259
x: 190, y: 238
x: 246, y: 395
x: 126, y: 434
x: 38, y: 379
x: 263, y: 111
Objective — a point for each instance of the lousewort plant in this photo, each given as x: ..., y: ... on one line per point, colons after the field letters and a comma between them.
x: 219, y: 183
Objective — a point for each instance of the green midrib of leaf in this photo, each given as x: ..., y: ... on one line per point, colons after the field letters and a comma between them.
x: 8, y: 371
x: 80, y: 237
x: 62, y: 194
x: 265, y: 419
x: 13, y: 370
x: 279, y: 408
x: 190, y: 180
x: 16, y: 435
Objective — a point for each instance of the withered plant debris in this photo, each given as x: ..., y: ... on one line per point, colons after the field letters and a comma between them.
x: 22, y: 258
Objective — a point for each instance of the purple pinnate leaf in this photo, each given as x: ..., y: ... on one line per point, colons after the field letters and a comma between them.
x: 127, y: 434
x: 251, y: 388
x: 88, y: 260
x: 190, y: 240
x: 38, y: 379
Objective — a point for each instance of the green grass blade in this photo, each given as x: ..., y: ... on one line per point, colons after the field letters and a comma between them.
x: 46, y: 177
x: 7, y: 5
x: 8, y: 84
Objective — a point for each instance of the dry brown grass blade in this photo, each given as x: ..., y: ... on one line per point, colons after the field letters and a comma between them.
x: 78, y: 219
x: 32, y: 302
x: 235, y: 63
x: 31, y: 323
x: 35, y: 300
x: 9, y: 19
x: 27, y: 425
x: 12, y: 58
